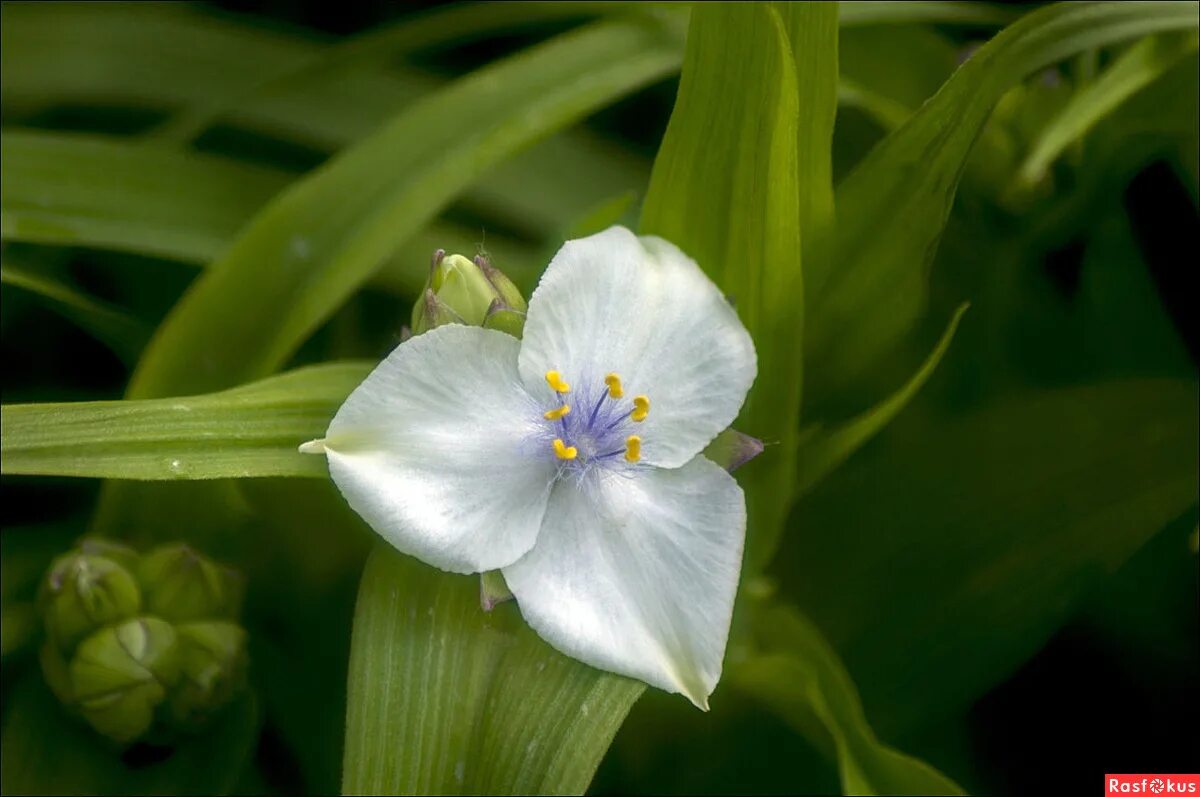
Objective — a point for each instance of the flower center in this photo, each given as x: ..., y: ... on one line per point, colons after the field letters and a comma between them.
x: 593, y: 424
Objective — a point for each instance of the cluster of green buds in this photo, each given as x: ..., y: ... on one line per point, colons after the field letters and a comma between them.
x: 142, y: 646
x: 469, y: 291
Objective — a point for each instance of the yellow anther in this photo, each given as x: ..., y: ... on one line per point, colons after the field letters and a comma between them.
x: 633, y: 448
x: 614, y: 386
x: 641, y: 408
x: 554, y: 415
x: 556, y: 383
x: 564, y: 451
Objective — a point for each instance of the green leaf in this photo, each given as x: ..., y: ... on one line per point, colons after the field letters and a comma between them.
x: 454, y: 24
x: 1025, y: 505
x: 250, y: 431
x: 824, y: 450
x: 801, y: 678
x: 114, y: 328
x: 893, y: 206
x: 172, y: 56
x: 327, y: 233
x: 45, y: 751
x: 74, y: 190
x: 79, y: 190
x: 445, y: 698
x: 892, y: 12
x: 813, y: 37
x: 888, y: 71
x: 1135, y: 69
x: 725, y: 189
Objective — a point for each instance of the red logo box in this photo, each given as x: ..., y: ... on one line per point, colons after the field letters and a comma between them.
x: 1151, y: 784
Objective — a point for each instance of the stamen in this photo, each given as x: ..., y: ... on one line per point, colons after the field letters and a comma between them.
x: 633, y: 448
x: 614, y: 386
x: 563, y: 451
x: 554, y: 415
x: 554, y: 380
x: 641, y: 408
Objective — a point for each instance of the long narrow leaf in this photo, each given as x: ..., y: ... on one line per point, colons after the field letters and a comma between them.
x: 98, y: 192
x: 326, y: 234
x: 801, y: 678
x: 114, y: 328
x: 173, y: 56
x: 725, y: 188
x: 824, y: 450
x: 250, y: 431
x: 893, y: 207
x: 1138, y: 67
x: 447, y: 699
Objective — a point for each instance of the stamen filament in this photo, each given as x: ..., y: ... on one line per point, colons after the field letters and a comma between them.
x: 555, y: 381
x: 555, y: 414
x: 563, y: 451
x: 633, y: 448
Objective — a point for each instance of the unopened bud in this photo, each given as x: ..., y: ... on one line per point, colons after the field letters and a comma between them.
x: 84, y: 591
x: 462, y: 291
x: 121, y: 674
x: 212, y: 670
x: 505, y: 319
x: 508, y: 293
x: 182, y: 585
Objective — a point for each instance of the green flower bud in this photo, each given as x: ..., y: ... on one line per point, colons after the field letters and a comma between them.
x: 181, y: 585
x: 462, y: 291
x: 213, y: 670
x: 121, y: 674
x: 87, y: 589
x: 506, y: 291
x: 431, y: 312
x: 505, y: 319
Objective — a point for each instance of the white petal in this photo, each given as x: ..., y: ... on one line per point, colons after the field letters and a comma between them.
x: 641, y: 308
x: 433, y: 451
x: 636, y: 573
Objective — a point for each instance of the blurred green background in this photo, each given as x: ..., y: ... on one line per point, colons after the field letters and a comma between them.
x: 1006, y: 570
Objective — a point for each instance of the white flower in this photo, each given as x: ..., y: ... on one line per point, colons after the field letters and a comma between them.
x: 571, y: 459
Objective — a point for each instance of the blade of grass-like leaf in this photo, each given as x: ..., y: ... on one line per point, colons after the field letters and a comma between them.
x: 326, y: 234
x: 447, y: 699
x: 250, y: 431
x: 824, y: 450
x: 1025, y: 506
x: 725, y: 188
x: 73, y: 190
x: 1136, y: 68
x: 888, y: 71
x: 813, y: 37
x: 892, y: 12
x: 114, y: 328
x: 458, y: 24
x: 44, y: 751
x: 168, y: 56
x: 893, y: 206
x: 801, y: 678
x: 93, y: 191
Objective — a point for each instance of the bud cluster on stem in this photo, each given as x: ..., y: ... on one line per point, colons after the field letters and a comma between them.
x: 142, y: 646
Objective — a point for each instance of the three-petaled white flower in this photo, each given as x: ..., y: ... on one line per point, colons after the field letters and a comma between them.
x: 570, y: 460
